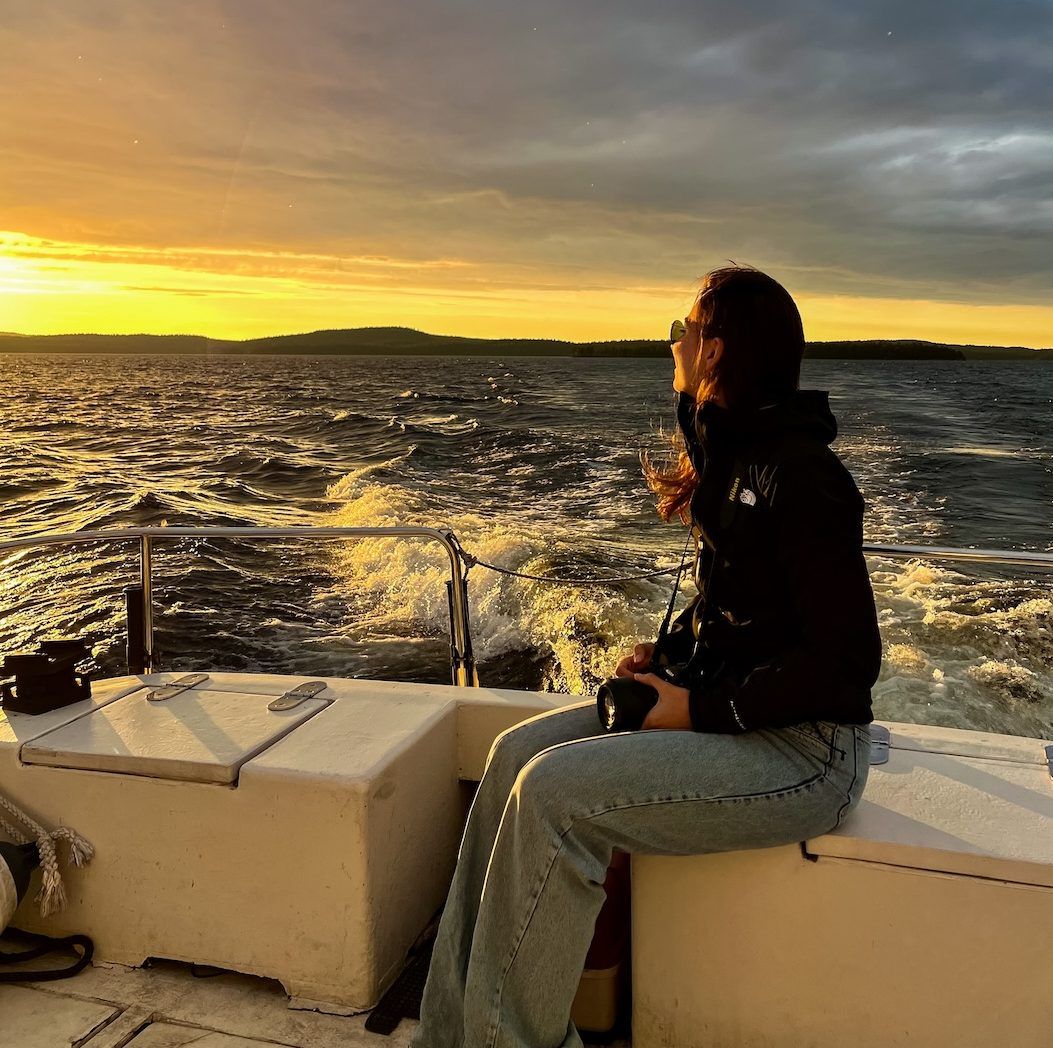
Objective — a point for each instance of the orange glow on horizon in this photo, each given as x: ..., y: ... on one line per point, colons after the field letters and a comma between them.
x: 54, y: 286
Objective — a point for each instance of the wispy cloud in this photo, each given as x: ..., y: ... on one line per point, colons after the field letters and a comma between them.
x: 883, y: 150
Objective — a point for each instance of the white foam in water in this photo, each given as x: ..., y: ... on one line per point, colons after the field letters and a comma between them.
x: 348, y: 484
x: 583, y: 631
x: 961, y: 651
x: 957, y: 650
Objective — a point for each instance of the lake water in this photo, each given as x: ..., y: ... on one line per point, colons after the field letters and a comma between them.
x: 535, y: 464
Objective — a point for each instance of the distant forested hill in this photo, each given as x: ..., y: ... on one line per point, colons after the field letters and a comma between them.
x: 385, y: 341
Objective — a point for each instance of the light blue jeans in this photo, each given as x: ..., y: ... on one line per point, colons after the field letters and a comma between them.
x: 558, y: 795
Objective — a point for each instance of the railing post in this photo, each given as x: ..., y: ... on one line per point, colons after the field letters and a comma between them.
x: 133, y: 616
x: 146, y: 582
x: 462, y: 660
x: 471, y: 673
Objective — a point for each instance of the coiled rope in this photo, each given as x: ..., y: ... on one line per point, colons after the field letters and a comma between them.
x: 52, y: 895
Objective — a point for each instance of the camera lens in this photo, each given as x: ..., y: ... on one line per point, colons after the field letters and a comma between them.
x: 622, y: 703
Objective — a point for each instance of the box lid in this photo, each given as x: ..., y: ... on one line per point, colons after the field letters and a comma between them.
x: 954, y: 801
x: 202, y: 734
x: 984, y: 745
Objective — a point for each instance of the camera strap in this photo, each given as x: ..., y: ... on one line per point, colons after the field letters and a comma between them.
x: 664, y: 628
x: 724, y: 521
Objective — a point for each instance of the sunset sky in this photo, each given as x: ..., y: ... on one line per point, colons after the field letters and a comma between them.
x: 483, y: 167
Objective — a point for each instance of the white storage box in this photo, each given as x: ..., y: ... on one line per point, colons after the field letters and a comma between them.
x: 926, y: 919
x: 310, y: 844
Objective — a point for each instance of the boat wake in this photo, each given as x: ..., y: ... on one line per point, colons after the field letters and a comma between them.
x: 959, y: 650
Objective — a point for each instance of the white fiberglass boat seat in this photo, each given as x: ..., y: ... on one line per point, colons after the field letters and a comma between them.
x: 309, y: 844
x: 925, y: 919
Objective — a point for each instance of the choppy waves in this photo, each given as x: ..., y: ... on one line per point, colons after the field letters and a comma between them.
x: 961, y: 649
x: 534, y: 464
x: 569, y: 634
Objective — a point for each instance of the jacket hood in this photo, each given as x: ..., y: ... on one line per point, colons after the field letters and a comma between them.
x: 804, y: 412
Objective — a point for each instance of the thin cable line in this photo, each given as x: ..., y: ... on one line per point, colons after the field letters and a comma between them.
x: 471, y: 561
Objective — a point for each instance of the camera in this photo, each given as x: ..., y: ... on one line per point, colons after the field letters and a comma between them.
x: 623, y: 702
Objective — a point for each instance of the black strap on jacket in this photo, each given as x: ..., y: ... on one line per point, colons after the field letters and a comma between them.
x: 724, y: 521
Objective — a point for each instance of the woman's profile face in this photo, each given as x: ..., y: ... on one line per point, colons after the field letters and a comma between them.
x: 694, y: 357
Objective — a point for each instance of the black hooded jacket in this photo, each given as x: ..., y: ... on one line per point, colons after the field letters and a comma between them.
x: 784, y: 627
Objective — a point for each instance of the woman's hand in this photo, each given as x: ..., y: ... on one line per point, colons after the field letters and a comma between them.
x: 671, y: 710
x: 640, y: 659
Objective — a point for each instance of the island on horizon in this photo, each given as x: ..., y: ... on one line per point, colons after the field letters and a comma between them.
x: 400, y: 341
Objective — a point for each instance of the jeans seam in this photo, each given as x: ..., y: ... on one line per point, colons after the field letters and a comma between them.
x: 851, y: 785
x: 491, y: 1036
x: 731, y: 797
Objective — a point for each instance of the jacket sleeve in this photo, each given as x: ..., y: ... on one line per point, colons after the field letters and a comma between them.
x: 835, y: 646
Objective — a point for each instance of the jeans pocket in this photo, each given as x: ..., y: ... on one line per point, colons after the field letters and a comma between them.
x: 807, y: 741
x: 821, y: 732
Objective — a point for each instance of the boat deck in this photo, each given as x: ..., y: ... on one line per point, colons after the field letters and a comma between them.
x: 169, y: 1005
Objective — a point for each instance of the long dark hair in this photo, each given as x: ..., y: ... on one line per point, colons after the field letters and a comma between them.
x: 761, y: 364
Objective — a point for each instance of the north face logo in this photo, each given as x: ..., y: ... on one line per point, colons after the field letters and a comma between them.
x: 748, y: 497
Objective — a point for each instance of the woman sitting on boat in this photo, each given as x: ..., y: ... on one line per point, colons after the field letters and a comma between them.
x: 760, y: 738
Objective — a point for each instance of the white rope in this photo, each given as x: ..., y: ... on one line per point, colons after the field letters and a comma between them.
x: 52, y: 895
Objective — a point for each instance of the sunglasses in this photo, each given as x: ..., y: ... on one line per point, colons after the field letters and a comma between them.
x: 677, y: 330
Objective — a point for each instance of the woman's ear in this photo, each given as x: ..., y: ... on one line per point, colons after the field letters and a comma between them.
x: 712, y: 348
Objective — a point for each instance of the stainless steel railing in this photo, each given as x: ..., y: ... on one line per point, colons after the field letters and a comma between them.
x: 1013, y: 558
x: 462, y: 661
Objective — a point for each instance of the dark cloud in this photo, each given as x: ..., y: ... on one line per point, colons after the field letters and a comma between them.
x: 880, y: 148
